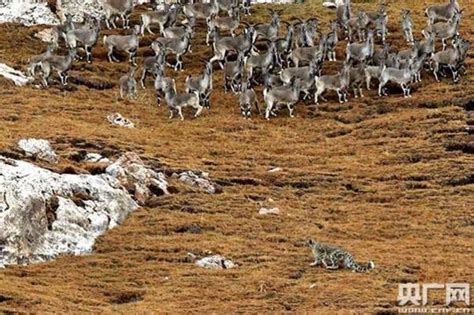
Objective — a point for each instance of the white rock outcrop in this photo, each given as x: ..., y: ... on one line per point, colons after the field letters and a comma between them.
x: 38, y: 148
x: 33, y: 12
x: 45, y: 214
x: 18, y: 77
x: 77, y: 8
x: 139, y: 180
x: 27, y: 12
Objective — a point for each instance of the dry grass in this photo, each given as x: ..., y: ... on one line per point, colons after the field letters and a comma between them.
x: 389, y: 179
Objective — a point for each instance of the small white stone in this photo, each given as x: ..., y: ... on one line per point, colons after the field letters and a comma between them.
x: 269, y: 211
x: 274, y: 170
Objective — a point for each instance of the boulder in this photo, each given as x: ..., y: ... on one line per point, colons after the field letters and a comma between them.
x: 18, y: 77
x: 39, y: 149
x: 142, y: 182
x: 44, y: 214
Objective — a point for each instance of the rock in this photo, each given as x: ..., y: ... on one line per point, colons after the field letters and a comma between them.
x: 39, y: 149
x: 201, y: 181
x: 215, y: 262
x: 333, y: 4
x: 27, y: 13
x: 275, y: 169
x: 119, y: 120
x: 140, y: 180
x: 77, y: 8
x: 269, y: 211
x: 48, y: 35
x: 45, y: 214
x: 96, y: 158
x: 16, y: 76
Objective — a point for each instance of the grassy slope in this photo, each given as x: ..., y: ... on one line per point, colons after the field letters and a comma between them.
x: 373, y: 175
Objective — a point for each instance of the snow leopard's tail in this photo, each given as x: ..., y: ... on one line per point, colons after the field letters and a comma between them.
x: 356, y: 267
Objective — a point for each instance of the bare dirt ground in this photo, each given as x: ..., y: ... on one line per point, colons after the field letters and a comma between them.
x: 389, y: 179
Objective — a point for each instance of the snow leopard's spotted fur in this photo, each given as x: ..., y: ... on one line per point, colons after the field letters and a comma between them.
x: 333, y: 257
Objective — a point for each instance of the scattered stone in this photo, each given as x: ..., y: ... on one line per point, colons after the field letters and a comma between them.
x: 45, y: 214
x: 27, y: 13
x: 201, y: 181
x: 215, y: 262
x: 119, y: 120
x: 275, y: 169
x: 96, y: 158
x: 18, y: 77
x: 39, y: 149
x: 138, y: 179
x: 269, y: 211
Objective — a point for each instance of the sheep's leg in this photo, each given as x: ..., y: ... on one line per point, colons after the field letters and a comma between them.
x: 257, y: 107
x: 142, y: 79
x: 268, y: 110
x: 339, y: 95
x: 291, y: 108
x: 435, y: 71
x: 88, y: 54
x: 199, y: 110
x: 113, y: 23
x: 45, y: 81
x: 109, y: 54
x: 225, y: 85
x: 381, y: 85
x: 180, y: 112
x: 452, y: 72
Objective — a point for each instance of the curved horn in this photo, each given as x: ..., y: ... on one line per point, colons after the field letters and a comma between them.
x: 298, y: 19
